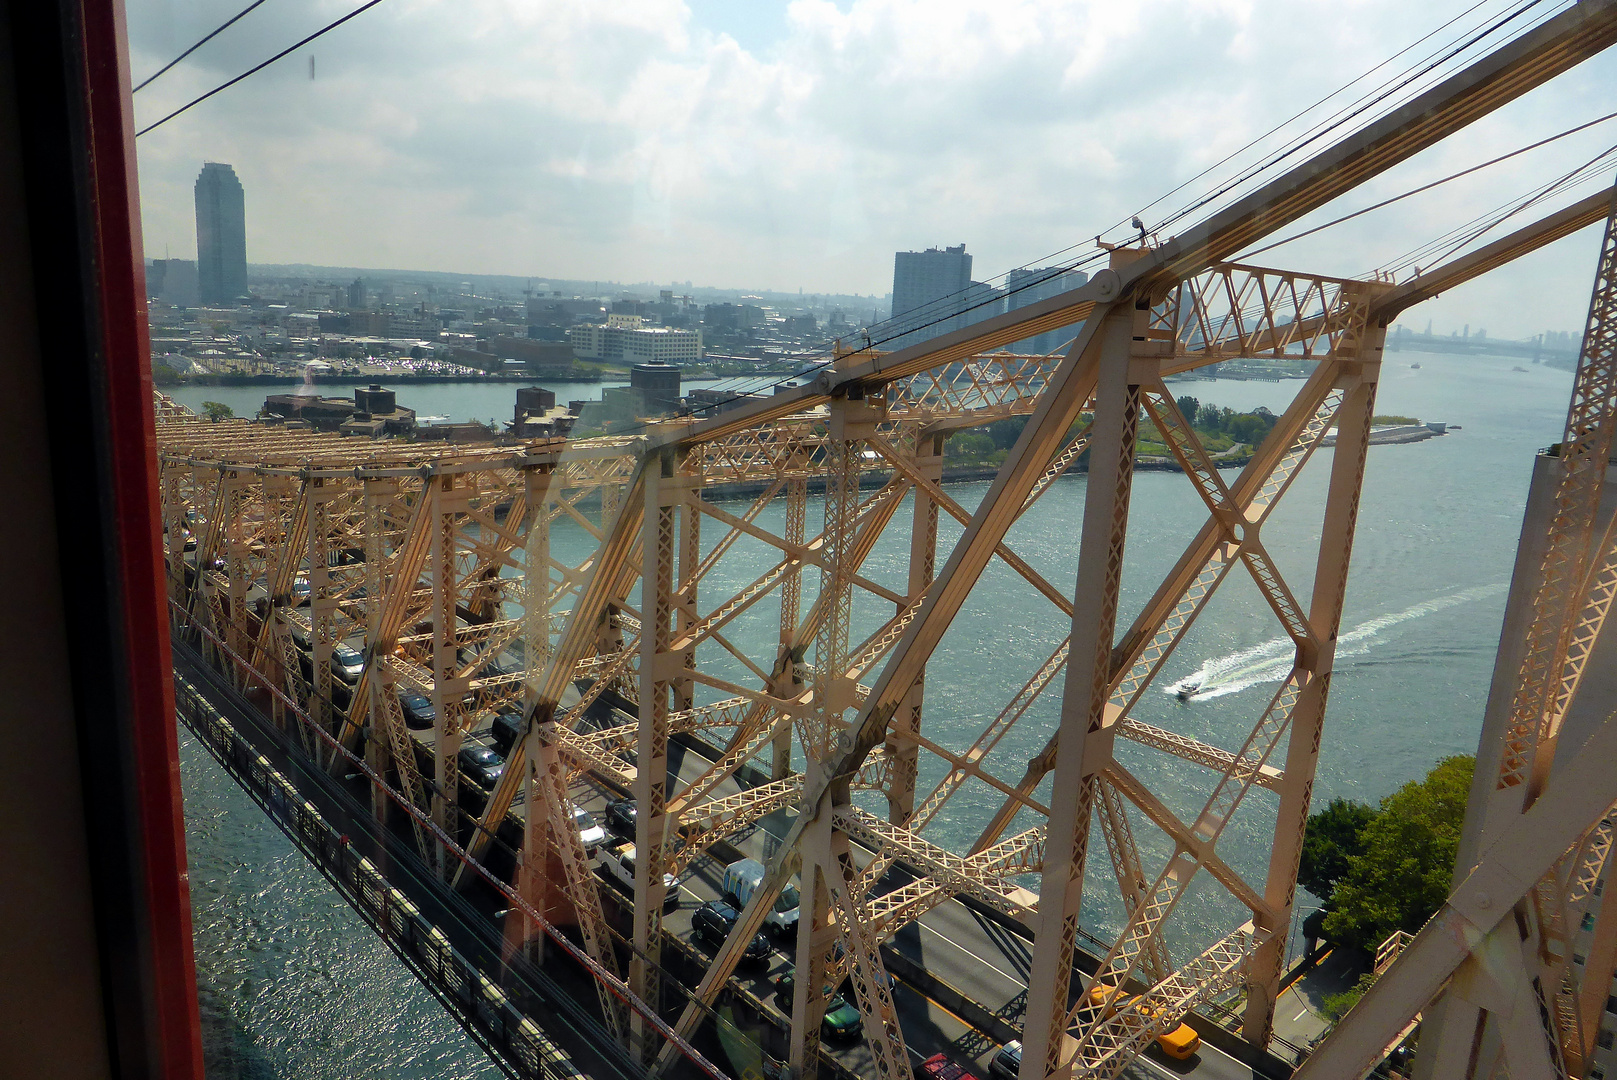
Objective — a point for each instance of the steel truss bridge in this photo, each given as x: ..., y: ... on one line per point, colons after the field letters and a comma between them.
x: 427, y: 551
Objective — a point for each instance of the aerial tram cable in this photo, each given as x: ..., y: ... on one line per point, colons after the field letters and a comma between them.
x: 1377, y: 104
x: 215, y: 33
x: 1294, y: 117
x: 259, y: 67
x: 1427, y: 187
x: 1374, y: 96
x: 1457, y: 238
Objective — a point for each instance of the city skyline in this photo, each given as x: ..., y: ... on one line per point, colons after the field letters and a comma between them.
x: 1047, y: 280
x: 656, y: 144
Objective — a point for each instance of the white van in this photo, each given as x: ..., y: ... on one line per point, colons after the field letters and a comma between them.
x: 741, y: 880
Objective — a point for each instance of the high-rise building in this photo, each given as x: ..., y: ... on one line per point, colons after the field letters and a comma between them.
x: 221, y: 235
x: 1023, y: 287
x: 928, y: 287
x: 173, y: 281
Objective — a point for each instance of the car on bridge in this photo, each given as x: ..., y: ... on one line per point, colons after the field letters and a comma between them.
x: 482, y: 764
x: 620, y: 816
x: 741, y: 880
x: 939, y: 1067
x: 347, y: 662
x: 419, y: 712
x: 590, y: 833
x: 1008, y: 1062
x: 841, y: 1020
x: 713, y: 921
x: 617, y: 866
x: 1180, y: 1043
x: 507, y: 729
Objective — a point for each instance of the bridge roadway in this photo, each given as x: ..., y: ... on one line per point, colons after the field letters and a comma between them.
x: 557, y: 996
x: 980, y: 955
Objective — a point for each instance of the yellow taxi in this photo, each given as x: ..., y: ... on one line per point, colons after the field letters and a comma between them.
x: 1180, y: 1043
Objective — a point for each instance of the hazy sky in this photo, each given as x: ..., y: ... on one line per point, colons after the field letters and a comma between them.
x: 743, y: 143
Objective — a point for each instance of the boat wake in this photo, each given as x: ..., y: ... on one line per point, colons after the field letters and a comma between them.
x: 1271, y: 661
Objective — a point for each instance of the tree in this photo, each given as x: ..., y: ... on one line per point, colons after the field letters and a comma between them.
x: 1006, y: 432
x: 1336, y: 1006
x: 1190, y: 408
x: 217, y: 411
x: 970, y: 444
x: 1333, y: 836
x: 1212, y: 417
x: 1402, y: 875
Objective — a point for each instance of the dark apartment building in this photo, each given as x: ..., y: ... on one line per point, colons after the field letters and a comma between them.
x: 928, y: 285
x: 1025, y: 286
x: 221, y: 235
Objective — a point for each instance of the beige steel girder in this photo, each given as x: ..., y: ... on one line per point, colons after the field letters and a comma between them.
x: 453, y: 535
x: 1571, y: 592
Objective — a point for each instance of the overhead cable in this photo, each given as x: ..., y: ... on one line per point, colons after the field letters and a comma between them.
x: 1430, y: 186
x: 1232, y: 155
x: 948, y: 307
x: 1370, y: 106
x: 259, y: 67
x: 215, y: 33
x: 1344, y: 116
x: 1446, y: 245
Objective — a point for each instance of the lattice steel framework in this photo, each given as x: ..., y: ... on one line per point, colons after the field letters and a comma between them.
x: 441, y: 561
x: 1515, y: 1003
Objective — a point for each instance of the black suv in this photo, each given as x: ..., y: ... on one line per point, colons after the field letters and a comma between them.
x: 620, y: 814
x: 507, y: 728
x: 713, y: 921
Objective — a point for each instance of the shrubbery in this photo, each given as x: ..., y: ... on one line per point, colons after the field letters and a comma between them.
x: 1219, y: 429
x: 1387, y: 868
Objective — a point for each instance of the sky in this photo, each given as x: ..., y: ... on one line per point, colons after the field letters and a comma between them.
x: 757, y: 145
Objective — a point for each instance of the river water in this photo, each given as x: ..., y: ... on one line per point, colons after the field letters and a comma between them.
x: 295, y: 985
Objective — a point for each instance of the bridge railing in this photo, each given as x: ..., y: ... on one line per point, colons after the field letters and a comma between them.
x: 481, y: 1006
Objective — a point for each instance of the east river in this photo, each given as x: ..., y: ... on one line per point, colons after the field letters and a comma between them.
x: 294, y: 985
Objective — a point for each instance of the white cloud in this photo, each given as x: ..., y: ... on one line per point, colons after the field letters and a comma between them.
x: 630, y: 141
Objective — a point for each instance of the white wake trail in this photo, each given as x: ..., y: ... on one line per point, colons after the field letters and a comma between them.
x: 1271, y: 661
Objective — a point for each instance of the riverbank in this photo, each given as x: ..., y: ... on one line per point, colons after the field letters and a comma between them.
x: 1404, y: 433
x: 363, y: 379
x: 952, y: 474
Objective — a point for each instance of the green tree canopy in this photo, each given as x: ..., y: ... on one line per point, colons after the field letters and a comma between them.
x: 1402, y: 875
x: 1336, y: 1006
x: 217, y: 410
x: 969, y: 444
x: 1334, y: 835
x: 1006, y: 432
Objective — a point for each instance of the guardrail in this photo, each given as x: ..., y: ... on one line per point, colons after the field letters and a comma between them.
x: 315, y: 737
x: 481, y: 1007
